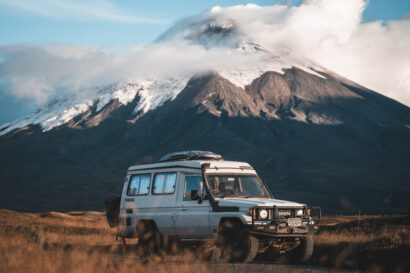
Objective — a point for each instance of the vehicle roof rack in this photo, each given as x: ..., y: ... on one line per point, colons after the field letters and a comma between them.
x: 190, y: 155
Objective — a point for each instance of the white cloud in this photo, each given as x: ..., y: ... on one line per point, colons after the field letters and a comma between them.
x: 79, y: 10
x: 327, y: 32
x: 376, y: 55
x: 49, y: 72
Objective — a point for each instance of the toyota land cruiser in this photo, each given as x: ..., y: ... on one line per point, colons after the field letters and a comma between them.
x: 197, y: 196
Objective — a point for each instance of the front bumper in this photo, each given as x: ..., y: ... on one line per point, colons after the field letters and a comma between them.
x: 288, y: 225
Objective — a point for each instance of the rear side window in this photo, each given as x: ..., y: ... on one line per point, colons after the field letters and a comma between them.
x: 139, y: 184
x: 164, y: 183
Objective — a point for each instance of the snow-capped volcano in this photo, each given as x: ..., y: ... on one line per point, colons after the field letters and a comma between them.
x: 212, y: 33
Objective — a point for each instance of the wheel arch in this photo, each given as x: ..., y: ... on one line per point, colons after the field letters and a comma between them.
x: 143, y: 223
x: 232, y: 219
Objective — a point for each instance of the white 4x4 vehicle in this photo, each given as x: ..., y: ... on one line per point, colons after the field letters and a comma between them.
x: 196, y: 196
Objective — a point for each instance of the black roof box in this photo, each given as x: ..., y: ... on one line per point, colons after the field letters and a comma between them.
x: 190, y: 155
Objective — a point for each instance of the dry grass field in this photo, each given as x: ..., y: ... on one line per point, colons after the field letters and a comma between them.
x: 370, y: 243
x: 83, y: 242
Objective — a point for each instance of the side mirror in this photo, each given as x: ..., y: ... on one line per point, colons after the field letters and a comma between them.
x: 194, y: 195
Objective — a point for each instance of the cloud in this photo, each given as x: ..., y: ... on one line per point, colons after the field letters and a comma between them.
x: 55, y: 71
x: 79, y: 10
x: 330, y: 33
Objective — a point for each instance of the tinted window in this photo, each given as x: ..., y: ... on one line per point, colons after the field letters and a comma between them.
x: 193, y: 182
x: 139, y: 184
x: 164, y: 183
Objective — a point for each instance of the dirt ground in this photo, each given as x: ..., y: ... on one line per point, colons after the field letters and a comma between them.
x: 83, y: 242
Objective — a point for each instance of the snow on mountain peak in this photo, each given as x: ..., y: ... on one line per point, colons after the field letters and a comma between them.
x: 231, y: 29
x: 152, y: 93
x: 213, y: 41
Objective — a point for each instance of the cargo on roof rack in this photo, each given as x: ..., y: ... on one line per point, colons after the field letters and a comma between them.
x: 190, y: 155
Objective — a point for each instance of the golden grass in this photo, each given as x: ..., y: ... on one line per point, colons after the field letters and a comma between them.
x: 74, y: 242
x: 364, y: 232
x: 83, y: 242
x: 374, y: 243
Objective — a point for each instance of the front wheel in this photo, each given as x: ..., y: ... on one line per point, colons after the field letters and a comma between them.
x: 209, y: 253
x: 237, y: 245
x: 304, y: 251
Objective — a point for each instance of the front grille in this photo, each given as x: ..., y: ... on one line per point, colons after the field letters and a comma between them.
x: 277, y: 213
x: 285, y: 213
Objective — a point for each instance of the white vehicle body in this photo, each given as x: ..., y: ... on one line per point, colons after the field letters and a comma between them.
x: 176, y: 215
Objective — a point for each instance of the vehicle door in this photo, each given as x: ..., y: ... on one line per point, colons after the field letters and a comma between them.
x: 163, y: 202
x: 193, y: 217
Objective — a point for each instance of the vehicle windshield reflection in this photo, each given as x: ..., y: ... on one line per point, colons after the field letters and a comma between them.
x: 232, y: 185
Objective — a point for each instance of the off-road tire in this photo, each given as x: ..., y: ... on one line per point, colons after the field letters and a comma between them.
x: 237, y: 245
x: 112, y: 210
x: 150, y: 244
x: 209, y: 253
x: 304, y: 251
x: 214, y: 255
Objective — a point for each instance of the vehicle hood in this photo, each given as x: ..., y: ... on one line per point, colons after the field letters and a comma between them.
x: 252, y: 202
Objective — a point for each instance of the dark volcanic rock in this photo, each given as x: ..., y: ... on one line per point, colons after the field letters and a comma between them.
x: 325, y: 141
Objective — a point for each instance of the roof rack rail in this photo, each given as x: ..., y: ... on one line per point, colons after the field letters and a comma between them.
x: 190, y: 155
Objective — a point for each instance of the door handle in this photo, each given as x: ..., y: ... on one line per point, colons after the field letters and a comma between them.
x: 183, y: 209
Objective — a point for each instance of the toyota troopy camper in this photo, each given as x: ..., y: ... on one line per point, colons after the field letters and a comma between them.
x: 197, y: 196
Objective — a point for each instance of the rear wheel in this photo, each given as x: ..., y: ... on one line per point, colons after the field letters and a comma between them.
x: 150, y: 243
x: 237, y: 245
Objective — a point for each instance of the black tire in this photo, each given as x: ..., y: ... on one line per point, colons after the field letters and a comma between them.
x: 112, y: 210
x: 150, y: 243
x: 304, y: 251
x: 237, y: 245
x: 209, y: 253
x: 214, y: 255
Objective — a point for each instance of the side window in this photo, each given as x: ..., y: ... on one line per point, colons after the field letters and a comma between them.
x: 139, y: 184
x: 193, y: 182
x: 164, y: 183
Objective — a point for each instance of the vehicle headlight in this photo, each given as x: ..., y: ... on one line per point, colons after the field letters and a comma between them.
x: 299, y: 212
x: 263, y: 214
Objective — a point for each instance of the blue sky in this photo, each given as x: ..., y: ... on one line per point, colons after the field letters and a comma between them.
x: 119, y: 23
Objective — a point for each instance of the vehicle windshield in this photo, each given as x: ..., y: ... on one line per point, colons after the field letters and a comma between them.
x: 232, y: 185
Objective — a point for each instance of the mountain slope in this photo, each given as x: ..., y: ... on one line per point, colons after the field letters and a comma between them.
x: 316, y: 139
